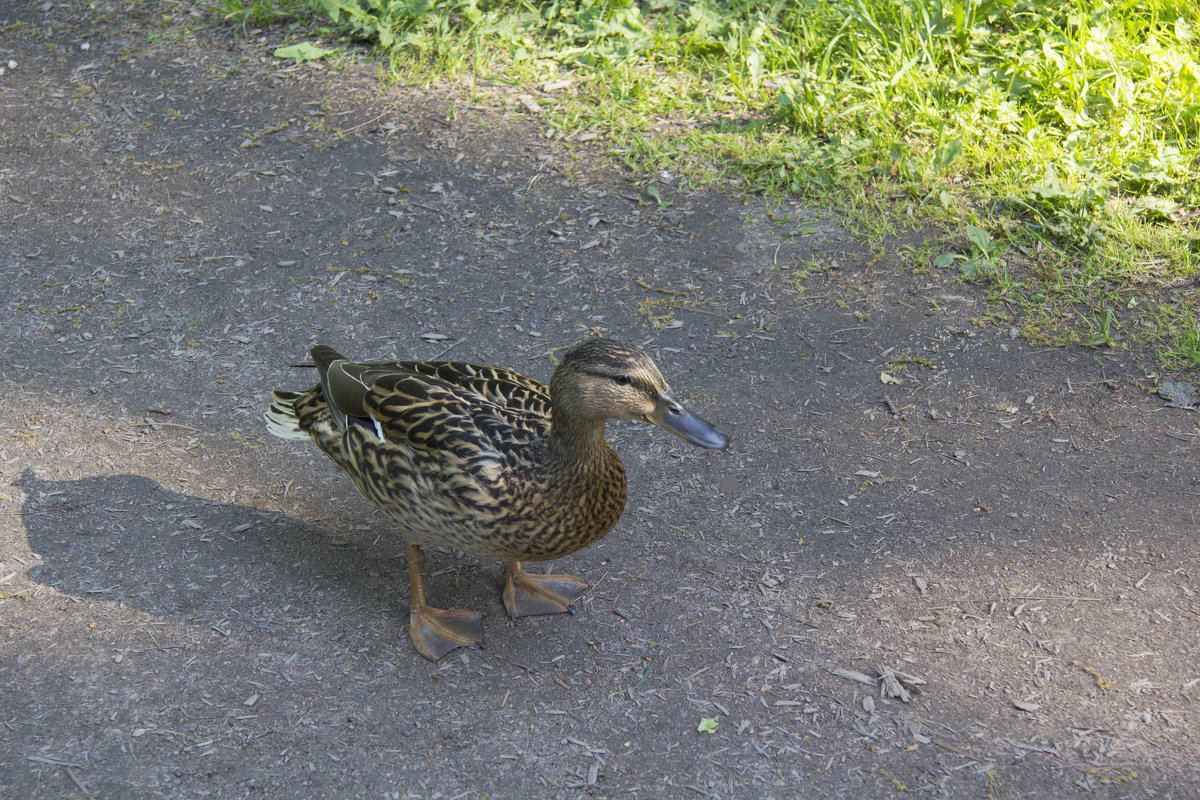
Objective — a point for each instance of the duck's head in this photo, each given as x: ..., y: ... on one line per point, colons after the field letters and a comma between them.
x: 602, y: 379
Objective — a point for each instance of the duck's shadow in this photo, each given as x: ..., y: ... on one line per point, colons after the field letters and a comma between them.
x: 127, y: 540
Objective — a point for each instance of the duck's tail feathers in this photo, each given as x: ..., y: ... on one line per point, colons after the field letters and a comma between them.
x: 281, y: 417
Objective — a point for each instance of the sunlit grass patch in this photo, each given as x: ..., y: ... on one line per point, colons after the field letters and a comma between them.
x: 1066, y: 133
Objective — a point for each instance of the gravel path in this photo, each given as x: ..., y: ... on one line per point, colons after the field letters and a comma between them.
x: 935, y: 562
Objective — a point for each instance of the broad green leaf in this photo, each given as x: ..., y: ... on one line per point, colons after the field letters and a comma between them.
x: 301, y: 52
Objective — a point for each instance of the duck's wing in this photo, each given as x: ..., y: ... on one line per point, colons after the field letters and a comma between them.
x: 520, y: 395
x: 449, y: 406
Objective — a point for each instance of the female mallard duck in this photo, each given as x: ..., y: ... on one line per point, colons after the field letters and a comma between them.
x: 487, y: 461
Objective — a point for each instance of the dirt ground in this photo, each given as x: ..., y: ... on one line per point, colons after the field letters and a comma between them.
x: 979, y: 581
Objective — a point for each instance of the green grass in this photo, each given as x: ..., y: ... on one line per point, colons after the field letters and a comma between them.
x: 248, y: 14
x: 1056, y: 144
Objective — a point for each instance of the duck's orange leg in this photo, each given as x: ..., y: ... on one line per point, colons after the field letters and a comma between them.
x: 436, y: 631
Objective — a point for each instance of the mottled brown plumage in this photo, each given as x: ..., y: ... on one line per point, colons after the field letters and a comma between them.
x: 485, y: 460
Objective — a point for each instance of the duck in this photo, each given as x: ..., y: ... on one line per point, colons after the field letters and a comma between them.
x: 486, y: 461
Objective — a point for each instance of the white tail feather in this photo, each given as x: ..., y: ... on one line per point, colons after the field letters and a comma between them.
x: 281, y: 418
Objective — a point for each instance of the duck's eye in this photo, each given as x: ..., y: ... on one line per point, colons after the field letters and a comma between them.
x: 622, y: 380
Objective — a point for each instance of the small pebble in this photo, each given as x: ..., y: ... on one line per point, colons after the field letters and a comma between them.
x: 85, y: 46
x: 12, y: 64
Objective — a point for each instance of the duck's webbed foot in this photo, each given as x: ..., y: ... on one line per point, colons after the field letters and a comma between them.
x: 528, y: 594
x: 436, y: 631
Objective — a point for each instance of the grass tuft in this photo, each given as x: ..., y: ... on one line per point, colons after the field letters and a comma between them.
x: 249, y: 14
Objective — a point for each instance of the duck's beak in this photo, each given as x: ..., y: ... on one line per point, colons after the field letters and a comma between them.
x: 670, y: 414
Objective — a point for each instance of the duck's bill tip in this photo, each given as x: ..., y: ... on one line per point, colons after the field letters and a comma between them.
x: 672, y: 416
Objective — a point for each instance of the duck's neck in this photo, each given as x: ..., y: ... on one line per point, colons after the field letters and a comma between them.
x: 575, y: 442
x: 584, y: 491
